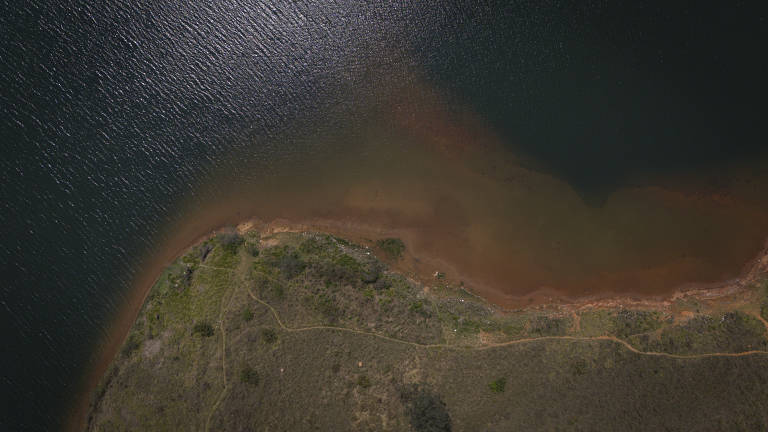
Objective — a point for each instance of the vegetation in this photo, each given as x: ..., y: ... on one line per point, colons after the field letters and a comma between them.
x: 497, y: 385
x: 393, y: 248
x: 247, y: 314
x: 204, y: 329
x: 312, y: 333
x: 230, y: 241
x: 269, y: 335
x: 131, y: 344
x: 363, y: 381
x: 252, y: 249
x: 250, y: 376
x: 426, y: 410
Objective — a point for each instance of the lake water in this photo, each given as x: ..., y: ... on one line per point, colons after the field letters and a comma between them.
x: 582, y: 150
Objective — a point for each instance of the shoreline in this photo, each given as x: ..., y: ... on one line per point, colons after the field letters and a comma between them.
x: 410, y: 266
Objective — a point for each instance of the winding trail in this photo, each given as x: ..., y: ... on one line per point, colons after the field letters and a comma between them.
x: 501, y: 344
x: 223, y: 310
x: 625, y: 344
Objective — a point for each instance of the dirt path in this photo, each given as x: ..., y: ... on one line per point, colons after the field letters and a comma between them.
x: 501, y: 344
x: 222, y: 326
x: 273, y: 311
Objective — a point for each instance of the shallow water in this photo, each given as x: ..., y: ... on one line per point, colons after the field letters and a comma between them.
x: 583, y: 149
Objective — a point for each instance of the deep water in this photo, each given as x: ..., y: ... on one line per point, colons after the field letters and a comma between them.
x: 116, y: 118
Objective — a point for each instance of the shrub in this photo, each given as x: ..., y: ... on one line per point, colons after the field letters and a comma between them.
x: 344, y: 270
x: 392, y: 247
x: 252, y: 249
x: 326, y: 304
x: 247, y: 314
x: 310, y: 246
x: 630, y: 322
x: 549, y: 326
x: 347, y: 262
x: 369, y: 293
x: 269, y: 335
x: 131, y: 345
x: 363, y: 381
x: 286, y: 260
x: 579, y: 367
x: 230, y: 241
x: 498, y: 385
x: 205, y: 249
x: 370, y: 272
x: 249, y: 376
x: 426, y: 411
x: 382, y: 284
x: 203, y: 328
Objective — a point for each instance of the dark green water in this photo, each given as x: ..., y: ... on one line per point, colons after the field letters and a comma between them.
x: 117, y: 119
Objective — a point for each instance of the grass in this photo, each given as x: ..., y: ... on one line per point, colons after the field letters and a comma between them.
x: 388, y: 355
x: 393, y: 248
x: 203, y: 329
x: 363, y: 382
x: 230, y: 241
x: 498, y: 385
x: 247, y: 314
x: 250, y: 376
x: 269, y: 335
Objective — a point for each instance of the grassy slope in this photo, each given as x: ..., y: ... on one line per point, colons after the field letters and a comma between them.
x: 359, y: 348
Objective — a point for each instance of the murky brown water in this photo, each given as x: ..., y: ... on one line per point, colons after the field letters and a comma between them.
x: 442, y: 181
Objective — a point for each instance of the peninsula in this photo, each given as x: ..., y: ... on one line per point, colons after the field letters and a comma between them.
x: 258, y: 330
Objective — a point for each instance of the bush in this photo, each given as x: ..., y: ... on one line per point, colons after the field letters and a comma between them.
x: 203, y: 328
x: 498, y: 385
x: 269, y: 335
x: 230, y: 241
x: 326, y: 304
x: 344, y: 270
x: 131, y: 345
x: 249, y: 376
x: 369, y: 293
x: 310, y: 246
x: 370, y: 272
x: 205, y: 249
x: 426, y: 411
x: 252, y: 249
x: 363, y: 381
x: 284, y: 259
x: 549, y: 326
x: 630, y: 322
x: 247, y: 314
x: 392, y: 247
x: 382, y: 284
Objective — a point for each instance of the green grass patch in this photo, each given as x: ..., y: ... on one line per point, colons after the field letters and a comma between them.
x: 392, y: 247
x: 596, y: 323
x: 498, y: 385
x: 269, y: 335
x: 230, y: 241
x: 204, y: 329
x: 132, y: 344
x: 631, y: 322
x: 363, y: 381
x: 250, y: 376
